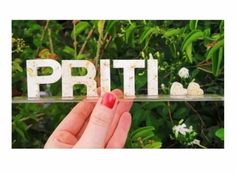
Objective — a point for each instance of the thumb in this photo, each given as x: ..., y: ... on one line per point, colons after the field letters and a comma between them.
x: 96, y: 131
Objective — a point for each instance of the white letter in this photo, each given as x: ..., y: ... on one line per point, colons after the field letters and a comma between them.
x: 129, y: 75
x: 69, y: 81
x: 33, y: 80
x: 105, y: 76
x: 152, y: 76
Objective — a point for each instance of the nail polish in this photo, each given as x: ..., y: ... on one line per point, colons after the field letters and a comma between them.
x: 108, y: 100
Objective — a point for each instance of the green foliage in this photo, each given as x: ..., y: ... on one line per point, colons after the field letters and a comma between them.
x: 197, y: 45
x: 144, y: 137
x: 80, y: 27
x: 188, y: 41
x: 220, y: 133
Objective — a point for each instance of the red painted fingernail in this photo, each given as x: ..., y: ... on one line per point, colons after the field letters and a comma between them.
x: 109, y: 100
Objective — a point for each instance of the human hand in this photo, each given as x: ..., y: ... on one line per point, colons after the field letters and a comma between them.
x: 104, y: 124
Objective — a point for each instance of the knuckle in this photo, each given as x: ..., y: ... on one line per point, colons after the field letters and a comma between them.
x: 102, y: 121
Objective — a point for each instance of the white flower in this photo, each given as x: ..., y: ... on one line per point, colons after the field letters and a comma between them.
x: 194, y: 89
x: 182, y: 129
x: 162, y: 86
x: 177, y: 89
x: 195, y: 141
x: 183, y: 72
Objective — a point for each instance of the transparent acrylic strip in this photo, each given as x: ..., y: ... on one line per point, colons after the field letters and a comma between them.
x: 139, y: 98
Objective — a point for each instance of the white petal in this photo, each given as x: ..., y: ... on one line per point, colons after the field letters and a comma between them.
x: 194, y: 89
x: 177, y: 89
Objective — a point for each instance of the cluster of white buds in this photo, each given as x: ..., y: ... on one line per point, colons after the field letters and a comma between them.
x: 182, y: 129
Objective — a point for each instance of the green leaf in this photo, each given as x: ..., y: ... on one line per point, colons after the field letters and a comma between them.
x: 140, y: 81
x: 193, y: 24
x: 142, y: 132
x: 171, y: 32
x: 149, y: 136
x: 101, y: 24
x: 220, y: 133
x: 37, y: 41
x: 207, y: 32
x: 68, y: 50
x: 221, y: 26
x: 218, y: 45
x: 129, y: 34
x: 220, y: 58
x: 164, y: 111
x: 149, y: 128
x: 189, y: 52
x: 82, y: 56
x: 152, y: 120
x: 216, y: 36
x: 154, y: 145
x: 138, y: 113
x: 32, y: 28
x: 147, y: 33
x: 21, y: 133
x: 149, y: 121
x: 180, y: 113
x: 110, y: 26
x: 20, y: 127
x: 79, y: 27
x: 144, y: 34
x: 214, y: 63
x: 16, y: 67
x: 191, y: 37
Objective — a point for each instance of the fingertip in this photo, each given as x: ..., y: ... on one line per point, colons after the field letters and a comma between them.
x: 125, y: 121
x: 99, y: 91
x: 117, y: 92
x: 109, y: 99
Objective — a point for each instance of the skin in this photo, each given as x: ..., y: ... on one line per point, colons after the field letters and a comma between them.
x: 93, y: 125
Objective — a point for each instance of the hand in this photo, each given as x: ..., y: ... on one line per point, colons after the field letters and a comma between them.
x: 104, y: 124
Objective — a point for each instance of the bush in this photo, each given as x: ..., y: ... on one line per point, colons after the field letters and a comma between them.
x: 196, y: 45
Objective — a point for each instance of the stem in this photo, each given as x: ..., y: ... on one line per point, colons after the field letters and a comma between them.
x: 75, y: 42
x: 203, y: 133
x: 108, y: 38
x: 197, y: 113
x: 50, y: 40
x: 199, y: 116
x: 42, y: 37
x: 86, y: 40
x: 201, y: 146
x: 169, y: 111
x: 27, y: 118
x: 108, y: 41
x: 171, y: 145
x: 207, y: 85
x: 99, y: 45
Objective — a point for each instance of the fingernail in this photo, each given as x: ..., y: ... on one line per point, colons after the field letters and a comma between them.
x: 109, y: 100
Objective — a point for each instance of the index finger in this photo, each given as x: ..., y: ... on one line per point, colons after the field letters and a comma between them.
x: 74, y: 121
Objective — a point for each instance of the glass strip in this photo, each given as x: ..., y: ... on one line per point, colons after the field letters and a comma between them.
x: 139, y: 98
